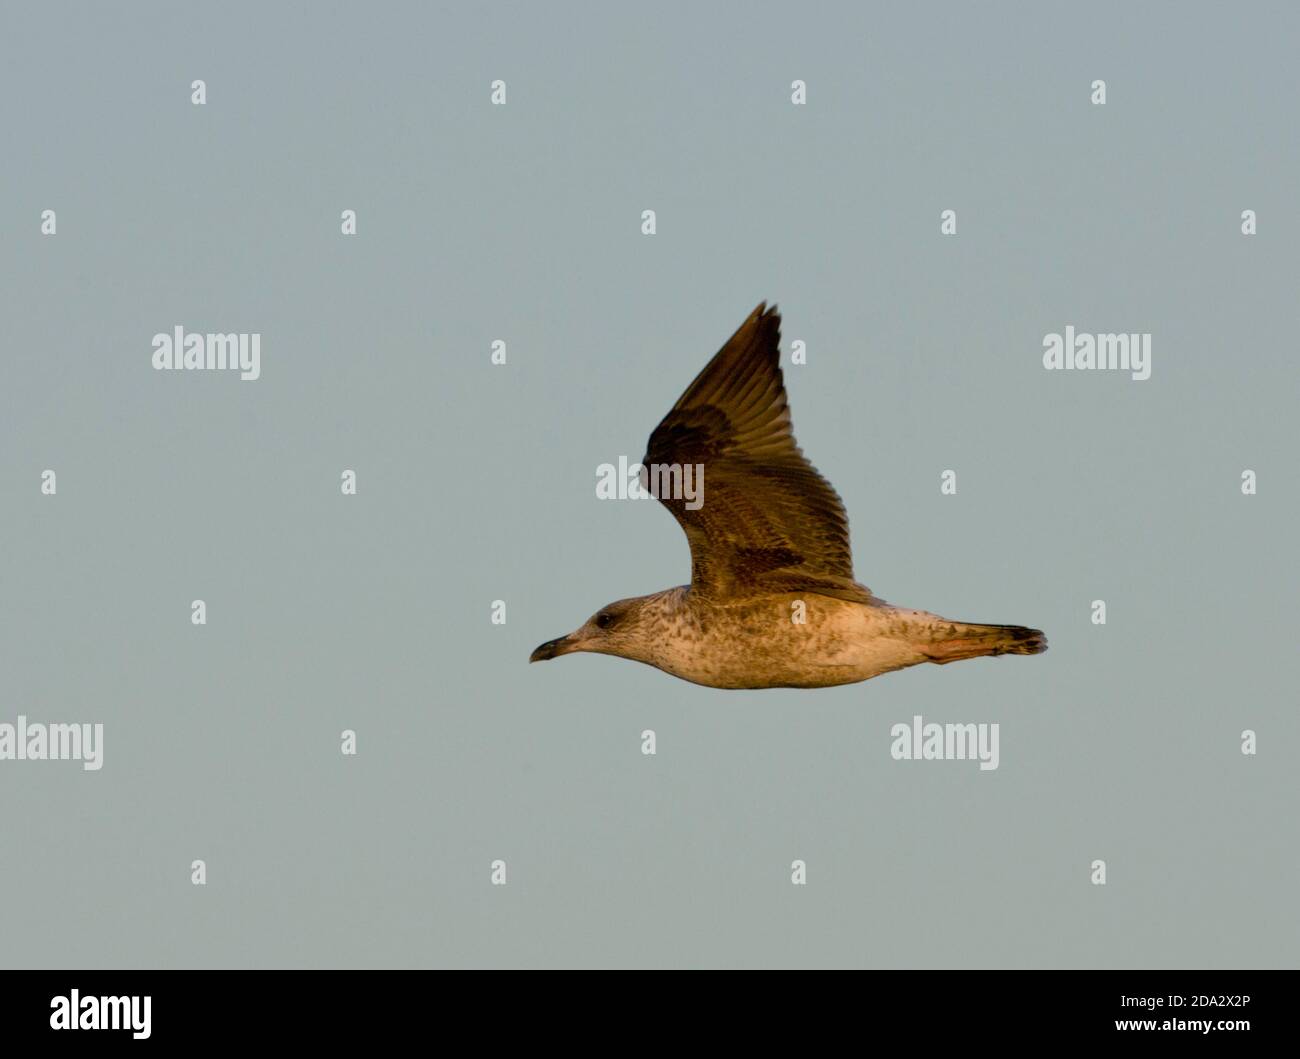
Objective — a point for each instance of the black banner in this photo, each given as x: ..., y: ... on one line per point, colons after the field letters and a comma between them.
x: 338, y: 1008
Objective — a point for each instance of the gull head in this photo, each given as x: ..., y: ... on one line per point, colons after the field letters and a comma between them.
x: 618, y: 628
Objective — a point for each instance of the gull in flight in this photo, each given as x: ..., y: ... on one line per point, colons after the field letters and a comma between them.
x: 772, y: 601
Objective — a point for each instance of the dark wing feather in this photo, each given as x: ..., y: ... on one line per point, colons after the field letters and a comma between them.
x: 768, y: 522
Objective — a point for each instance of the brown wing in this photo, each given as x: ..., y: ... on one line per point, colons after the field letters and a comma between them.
x: 768, y: 521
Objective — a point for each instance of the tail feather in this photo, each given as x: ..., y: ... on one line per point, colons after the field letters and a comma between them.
x: 955, y: 641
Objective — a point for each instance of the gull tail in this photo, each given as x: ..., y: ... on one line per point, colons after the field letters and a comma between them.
x: 956, y: 640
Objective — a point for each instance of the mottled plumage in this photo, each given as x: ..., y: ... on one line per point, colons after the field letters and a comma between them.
x: 772, y: 600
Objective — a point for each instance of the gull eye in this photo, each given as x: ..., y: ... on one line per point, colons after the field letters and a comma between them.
x: 604, y: 620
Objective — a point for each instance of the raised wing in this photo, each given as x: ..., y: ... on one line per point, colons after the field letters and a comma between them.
x: 768, y: 521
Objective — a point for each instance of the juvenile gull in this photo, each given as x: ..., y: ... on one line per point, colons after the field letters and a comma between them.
x: 769, y: 544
